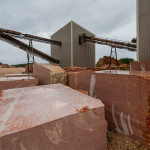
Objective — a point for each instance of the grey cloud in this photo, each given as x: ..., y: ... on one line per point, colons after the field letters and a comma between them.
x: 111, y: 18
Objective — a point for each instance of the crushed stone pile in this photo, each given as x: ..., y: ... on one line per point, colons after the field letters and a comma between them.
x: 117, y: 141
x: 106, y: 61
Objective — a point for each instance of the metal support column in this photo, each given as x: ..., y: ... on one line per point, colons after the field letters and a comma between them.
x: 113, y: 54
x: 30, y: 55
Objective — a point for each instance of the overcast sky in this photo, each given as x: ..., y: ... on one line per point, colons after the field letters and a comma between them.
x: 114, y: 19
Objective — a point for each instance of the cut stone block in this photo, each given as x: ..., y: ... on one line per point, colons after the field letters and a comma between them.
x: 51, y: 117
x: 127, y: 102
x: 49, y: 74
x: 17, y: 82
x: 79, y: 80
x: 17, y: 75
x: 140, y: 65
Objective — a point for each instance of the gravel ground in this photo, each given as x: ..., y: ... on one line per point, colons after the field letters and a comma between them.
x: 4, y: 71
x: 117, y: 141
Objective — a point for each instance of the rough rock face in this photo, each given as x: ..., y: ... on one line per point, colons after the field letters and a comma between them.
x: 49, y: 74
x: 17, y: 82
x: 51, y: 117
x: 127, y: 102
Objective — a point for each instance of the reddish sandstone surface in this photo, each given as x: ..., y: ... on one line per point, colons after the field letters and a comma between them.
x: 79, y: 80
x: 49, y: 74
x: 45, y: 117
x: 127, y: 101
x: 125, y: 95
x: 17, y: 82
x: 74, y: 69
x: 140, y: 65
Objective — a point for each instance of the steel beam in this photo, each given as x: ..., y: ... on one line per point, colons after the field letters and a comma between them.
x: 25, y: 47
x: 29, y: 37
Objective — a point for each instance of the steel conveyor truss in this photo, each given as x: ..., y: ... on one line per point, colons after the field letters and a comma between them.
x: 8, y: 36
x: 112, y: 43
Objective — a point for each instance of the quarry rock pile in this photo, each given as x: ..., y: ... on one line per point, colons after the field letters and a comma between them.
x: 106, y: 61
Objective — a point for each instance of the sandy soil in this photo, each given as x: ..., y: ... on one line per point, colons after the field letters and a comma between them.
x: 117, y: 141
x: 4, y: 71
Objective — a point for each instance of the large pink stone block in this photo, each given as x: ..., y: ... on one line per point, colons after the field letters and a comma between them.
x: 140, y: 65
x: 79, y: 79
x: 51, y: 117
x: 17, y: 82
x: 127, y: 102
x: 49, y: 74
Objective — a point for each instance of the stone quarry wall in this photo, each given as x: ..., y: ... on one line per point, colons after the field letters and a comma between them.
x: 127, y: 102
x: 49, y: 74
x: 54, y: 117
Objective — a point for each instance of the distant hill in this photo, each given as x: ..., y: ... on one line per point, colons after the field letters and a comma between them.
x: 22, y: 65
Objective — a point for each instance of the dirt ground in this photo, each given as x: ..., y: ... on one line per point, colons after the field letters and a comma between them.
x: 4, y: 71
x: 117, y: 141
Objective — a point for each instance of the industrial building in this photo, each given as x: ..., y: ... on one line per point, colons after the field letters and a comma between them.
x: 71, y: 53
x: 143, y: 30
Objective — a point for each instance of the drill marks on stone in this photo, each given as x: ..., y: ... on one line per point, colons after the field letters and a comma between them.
x: 92, y: 84
x: 123, y: 123
x: 54, y: 134
x: 129, y: 124
x: 22, y: 146
x: 143, y: 69
x: 114, y: 118
x: 9, y: 111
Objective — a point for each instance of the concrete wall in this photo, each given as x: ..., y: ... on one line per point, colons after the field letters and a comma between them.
x: 63, y: 52
x: 143, y: 29
x: 71, y: 53
x: 83, y: 55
